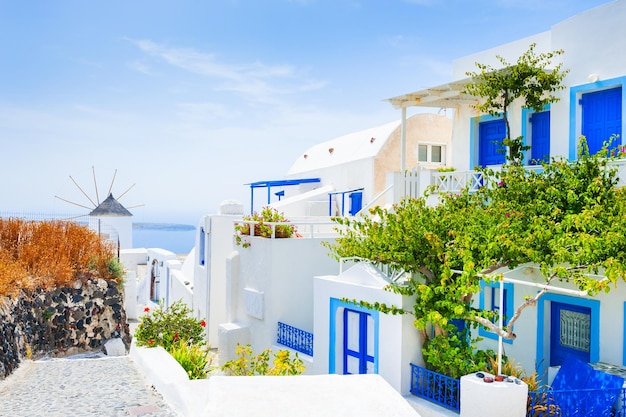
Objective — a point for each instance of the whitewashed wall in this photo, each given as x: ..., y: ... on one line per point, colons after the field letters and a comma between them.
x: 157, y: 258
x: 399, y: 342
x: 274, y: 282
x: 210, y: 279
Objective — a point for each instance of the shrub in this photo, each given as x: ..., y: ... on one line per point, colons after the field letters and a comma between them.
x: 194, y: 359
x: 248, y: 365
x: 49, y: 254
x: 165, y: 326
x: 267, y: 215
x: 454, y: 355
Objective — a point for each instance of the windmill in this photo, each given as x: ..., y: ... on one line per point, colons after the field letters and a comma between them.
x: 109, y: 218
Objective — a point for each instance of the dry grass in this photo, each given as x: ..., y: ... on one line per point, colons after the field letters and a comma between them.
x: 51, y: 254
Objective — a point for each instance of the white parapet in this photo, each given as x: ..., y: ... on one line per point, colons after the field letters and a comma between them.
x: 496, y: 398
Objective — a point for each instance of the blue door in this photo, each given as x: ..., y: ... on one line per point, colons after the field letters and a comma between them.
x: 601, y: 117
x: 540, y: 133
x: 570, y: 332
x: 356, y: 202
x: 490, y: 136
x: 358, y: 342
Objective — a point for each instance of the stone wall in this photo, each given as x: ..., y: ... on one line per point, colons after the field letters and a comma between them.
x: 60, y: 321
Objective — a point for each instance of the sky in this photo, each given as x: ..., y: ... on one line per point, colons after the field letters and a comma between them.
x: 174, y: 106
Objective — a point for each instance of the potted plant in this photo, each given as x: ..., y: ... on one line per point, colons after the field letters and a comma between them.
x: 264, y: 226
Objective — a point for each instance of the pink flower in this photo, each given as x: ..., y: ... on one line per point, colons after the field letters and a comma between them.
x: 507, y: 215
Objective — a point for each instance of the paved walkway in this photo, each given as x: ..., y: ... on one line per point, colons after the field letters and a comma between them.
x: 87, y: 385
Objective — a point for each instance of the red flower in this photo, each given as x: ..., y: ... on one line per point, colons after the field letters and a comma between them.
x: 175, y: 336
x: 151, y: 342
x: 145, y: 310
x: 203, y: 323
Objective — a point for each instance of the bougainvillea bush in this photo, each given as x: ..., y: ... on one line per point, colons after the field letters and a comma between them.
x: 49, y: 254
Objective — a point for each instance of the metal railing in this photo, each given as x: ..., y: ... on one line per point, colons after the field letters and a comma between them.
x: 436, y: 388
x: 294, y: 338
x: 580, y: 402
x: 445, y: 391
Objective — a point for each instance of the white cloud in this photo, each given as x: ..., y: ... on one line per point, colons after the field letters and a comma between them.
x: 256, y: 81
x: 140, y: 67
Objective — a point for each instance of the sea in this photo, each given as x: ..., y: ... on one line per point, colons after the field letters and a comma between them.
x: 177, y: 238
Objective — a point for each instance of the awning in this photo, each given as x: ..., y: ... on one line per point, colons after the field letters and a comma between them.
x: 276, y: 183
x: 449, y: 95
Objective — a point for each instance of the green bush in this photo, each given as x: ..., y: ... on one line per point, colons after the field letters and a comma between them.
x: 165, y: 326
x: 248, y: 364
x: 194, y: 359
x: 455, y: 355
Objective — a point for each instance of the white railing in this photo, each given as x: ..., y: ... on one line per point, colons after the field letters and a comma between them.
x: 303, y: 228
x: 455, y: 181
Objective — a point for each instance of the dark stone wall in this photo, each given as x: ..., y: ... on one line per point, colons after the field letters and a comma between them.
x: 60, y: 321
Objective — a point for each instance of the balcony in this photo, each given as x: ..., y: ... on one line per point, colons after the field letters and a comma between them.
x: 294, y: 338
x: 415, y: 182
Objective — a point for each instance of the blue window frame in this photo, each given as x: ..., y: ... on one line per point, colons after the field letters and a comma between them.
x: 601, y: 117
x: 490, y: 136
x: 575, y: 118
x: 540, y: 132
x: 336, y: 333
x: 543, y: 329
x: 202, y: 247
x: 490, y: 300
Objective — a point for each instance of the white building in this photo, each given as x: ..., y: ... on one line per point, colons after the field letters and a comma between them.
x: 592, y: 104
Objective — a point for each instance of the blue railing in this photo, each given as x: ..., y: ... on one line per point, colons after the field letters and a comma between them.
x: 436, y: 388
x: 580, y: 402
x: 295, y: 338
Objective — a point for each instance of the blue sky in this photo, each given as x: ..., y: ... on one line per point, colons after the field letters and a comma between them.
x: 186, y: 101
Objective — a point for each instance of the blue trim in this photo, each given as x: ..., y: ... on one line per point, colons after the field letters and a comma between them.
x: 474, y: 129
x: 575, y: 94
x: 624, y: 338
x: 508, y: 306
x: 594, y: 349
x: 336, y: 304
x: 276, y: 183
x: 526, y: 115
x: 202, y: 248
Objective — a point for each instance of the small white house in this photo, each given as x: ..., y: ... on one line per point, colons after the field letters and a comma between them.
x: 352, y: 339
x: 353, y: 171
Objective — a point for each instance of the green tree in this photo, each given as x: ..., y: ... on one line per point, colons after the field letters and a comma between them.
x: 530, y: 80
x: 568, y: 219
